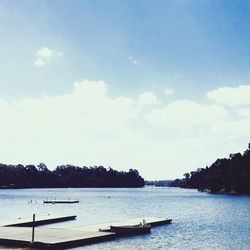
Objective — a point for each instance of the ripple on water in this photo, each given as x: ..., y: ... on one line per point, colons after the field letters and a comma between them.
x: 200, y: 220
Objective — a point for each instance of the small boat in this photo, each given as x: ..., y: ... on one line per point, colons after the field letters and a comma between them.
x: 61, y: 201
x: 168, y: 221
x: 134, y: 229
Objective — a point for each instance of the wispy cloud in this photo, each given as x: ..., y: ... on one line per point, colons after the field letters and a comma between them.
x: 132, y: 60
x: 169, y: 91
x: 39, y: 62
x: 44, y: 55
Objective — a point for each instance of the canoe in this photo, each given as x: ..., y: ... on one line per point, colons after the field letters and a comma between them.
x: 125, y: 230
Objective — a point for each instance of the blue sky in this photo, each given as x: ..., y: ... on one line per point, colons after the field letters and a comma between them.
x: 158, y: 55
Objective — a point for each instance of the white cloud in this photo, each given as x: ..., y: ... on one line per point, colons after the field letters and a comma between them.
x: 88, y: 127
x: 83, y: 127
x: 231, y: 96
x: 44, y: 55
x: 44, y: 52
x: 147, y: 99
x: 244, y: 112
x: 187, y: 114
x: 39, y: 62
x: 169, y: 91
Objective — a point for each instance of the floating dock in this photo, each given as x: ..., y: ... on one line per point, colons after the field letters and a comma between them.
x: 60, y: 201
x: 50, y: 238
x: 149, y: 220
x: 40, y: 221
x: 57, y: 238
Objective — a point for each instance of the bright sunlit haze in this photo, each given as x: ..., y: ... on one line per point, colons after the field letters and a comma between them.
x: 158, y: 86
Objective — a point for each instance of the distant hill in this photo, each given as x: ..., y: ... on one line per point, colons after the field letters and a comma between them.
x: 31, y: 176
x: 227, y: 175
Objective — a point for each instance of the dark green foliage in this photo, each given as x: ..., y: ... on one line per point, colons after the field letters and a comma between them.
x: 230, y: 175
x: 30, y: 176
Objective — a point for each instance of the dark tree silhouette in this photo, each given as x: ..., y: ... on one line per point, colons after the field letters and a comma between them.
x: 31, y: 176
x: 230, y: 175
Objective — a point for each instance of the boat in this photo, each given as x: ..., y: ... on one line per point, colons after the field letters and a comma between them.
x: 162, y: 222
x: 61, y: 201
x: 168, y: 221
x: 134, y: 229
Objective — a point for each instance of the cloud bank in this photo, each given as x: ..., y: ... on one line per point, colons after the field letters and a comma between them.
x: 88, y: 127
x: 231, y: 96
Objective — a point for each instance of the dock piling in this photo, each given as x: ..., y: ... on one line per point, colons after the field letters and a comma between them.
x: 33, y: 229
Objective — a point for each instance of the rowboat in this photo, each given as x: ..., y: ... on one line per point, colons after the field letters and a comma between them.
x: 133, y: 229
x: 125, y: 230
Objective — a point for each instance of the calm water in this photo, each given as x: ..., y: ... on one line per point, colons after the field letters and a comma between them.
x: 200, y: 220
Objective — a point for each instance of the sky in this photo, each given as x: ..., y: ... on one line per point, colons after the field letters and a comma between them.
x: 158, y: 86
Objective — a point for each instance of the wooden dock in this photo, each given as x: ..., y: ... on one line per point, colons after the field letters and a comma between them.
x: 58, y: 238
x: 150, y: 220
x: 40, y: 221
x: 60, y: 201
x: 50, y: 238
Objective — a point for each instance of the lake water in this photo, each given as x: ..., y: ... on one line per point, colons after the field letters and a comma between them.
x: 200, y: 220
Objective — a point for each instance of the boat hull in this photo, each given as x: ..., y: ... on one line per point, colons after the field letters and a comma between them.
x: 126, y: 230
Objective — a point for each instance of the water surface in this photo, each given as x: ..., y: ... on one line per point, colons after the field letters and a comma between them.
x: 200, y: 220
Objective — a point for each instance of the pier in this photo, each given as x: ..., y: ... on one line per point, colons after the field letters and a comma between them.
x: 58, y: 238
x: 60, y: 201
x: 40, y: 221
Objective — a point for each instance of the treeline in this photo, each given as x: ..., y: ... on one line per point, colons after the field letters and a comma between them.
x: 31, y: 176
x: 231, y: 175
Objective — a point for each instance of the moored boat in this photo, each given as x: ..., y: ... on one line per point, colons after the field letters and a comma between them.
x: 134, y: 229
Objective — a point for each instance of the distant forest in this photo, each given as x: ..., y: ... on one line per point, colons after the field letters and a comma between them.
x: 31, y: 176
x: 231, y: 175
